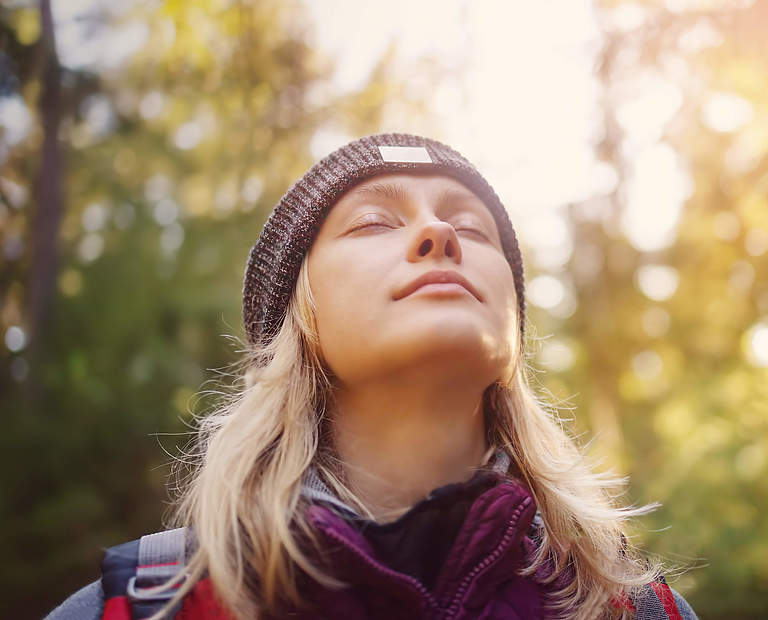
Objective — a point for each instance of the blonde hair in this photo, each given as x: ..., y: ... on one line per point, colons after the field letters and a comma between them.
x: 243, y: 497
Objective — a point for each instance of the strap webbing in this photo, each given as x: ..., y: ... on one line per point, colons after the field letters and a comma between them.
x: 162, y: 556
x: 655, y: 601
x: 667, y: 599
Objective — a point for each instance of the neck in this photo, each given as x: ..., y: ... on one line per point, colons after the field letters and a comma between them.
x: 401, y: 437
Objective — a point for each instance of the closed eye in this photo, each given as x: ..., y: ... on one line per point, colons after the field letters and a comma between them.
x: 383, y: 224
x: 473, y: 230
x: 369, y: 225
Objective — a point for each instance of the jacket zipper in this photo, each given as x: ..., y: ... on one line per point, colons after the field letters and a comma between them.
x: 452, y: 608
x: 393, y: 575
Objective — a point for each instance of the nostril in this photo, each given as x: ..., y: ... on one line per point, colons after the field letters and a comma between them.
x: 449, y: 249
x: 425, y: 247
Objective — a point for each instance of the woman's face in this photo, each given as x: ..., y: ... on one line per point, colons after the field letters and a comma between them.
x: 376, y: 241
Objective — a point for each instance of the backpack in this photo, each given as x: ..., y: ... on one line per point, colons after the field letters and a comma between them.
x: 130, y: 572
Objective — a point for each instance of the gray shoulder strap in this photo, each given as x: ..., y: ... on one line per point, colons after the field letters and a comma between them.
x: 162, y: 556
x: 85, y: 604
x: 650, y: 607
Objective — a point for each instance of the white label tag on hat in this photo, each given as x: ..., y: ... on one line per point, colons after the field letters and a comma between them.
x: 412, y: 154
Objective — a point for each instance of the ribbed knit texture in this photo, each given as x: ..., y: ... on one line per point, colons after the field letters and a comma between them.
x: 275, y: 259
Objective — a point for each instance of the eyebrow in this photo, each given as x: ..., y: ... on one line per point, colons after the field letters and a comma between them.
x: 396, y: 191
x: 392, y: 191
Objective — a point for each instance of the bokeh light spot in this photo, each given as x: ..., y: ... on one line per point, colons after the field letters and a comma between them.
x: 755, y: 344
x: 556, y: 355
x: 15, y: 338
x: 727, y: 225
x: 657, y: 282
x: 726, y: 112
x: 647, y: 365
x: 756, y: 242
x: 71, y: 282
x: 90, y: 247
x: 546, y: 291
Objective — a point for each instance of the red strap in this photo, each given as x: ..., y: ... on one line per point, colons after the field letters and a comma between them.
x: 156, y: 565
x: 667, y: 600
x: 117, y: 608
x: 623, y: 602
x: 201, y: 604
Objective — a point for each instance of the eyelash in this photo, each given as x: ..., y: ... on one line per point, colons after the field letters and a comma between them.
x: 369, y: 224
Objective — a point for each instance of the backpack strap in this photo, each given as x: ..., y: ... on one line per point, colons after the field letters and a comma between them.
x: 162, y: 556
x: 131, y: 572
x: 655, y: 601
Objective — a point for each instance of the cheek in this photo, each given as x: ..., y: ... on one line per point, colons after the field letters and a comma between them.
x: 503, y: 300
x: 348, y: 297
x: 340, y: 284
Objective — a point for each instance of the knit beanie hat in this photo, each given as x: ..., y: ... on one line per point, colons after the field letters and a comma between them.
x: 275, y: 259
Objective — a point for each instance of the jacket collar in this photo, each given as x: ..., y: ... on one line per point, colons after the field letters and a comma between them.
x: 315, y: 490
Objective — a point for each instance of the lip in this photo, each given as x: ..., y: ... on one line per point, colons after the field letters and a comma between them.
x: 437, y: 277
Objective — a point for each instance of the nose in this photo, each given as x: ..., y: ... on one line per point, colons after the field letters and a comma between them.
x: 435, y: 240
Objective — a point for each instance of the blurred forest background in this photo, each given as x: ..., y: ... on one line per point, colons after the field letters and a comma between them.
x: 143, y: 144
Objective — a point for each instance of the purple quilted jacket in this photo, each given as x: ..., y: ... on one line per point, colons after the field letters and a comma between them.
x: 407, y: 570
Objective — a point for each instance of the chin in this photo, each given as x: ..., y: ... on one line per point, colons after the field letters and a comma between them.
x: 457, y: 340
x: 459, y: 354
x: 448, y: 326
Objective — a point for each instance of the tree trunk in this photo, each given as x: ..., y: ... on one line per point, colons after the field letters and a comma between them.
x: 44, y: 232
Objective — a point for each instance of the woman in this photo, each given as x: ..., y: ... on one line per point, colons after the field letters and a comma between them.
x: 385, y: 456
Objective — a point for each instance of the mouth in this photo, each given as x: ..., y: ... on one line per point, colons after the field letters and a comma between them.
x: 438, y: 277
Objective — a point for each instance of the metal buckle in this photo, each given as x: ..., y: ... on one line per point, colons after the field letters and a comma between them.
x: 141, y: 594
